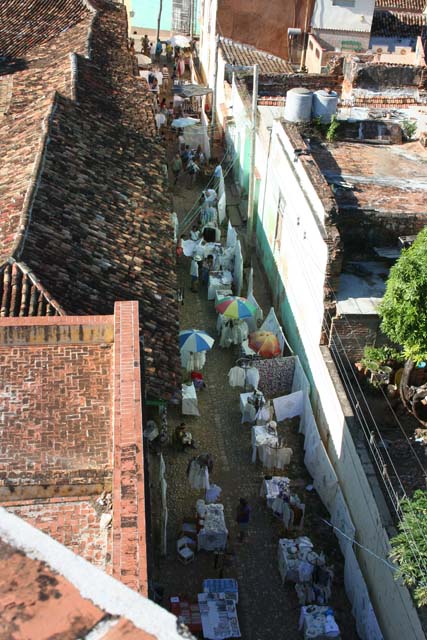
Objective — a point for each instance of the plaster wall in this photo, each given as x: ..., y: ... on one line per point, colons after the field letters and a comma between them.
x: 341, y: 15
x: 295, y: 263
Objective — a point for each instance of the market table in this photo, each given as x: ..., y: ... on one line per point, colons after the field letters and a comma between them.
x: 218, y: 280
x: 219, y: 616
x: 228, y: 586
x: 296, y: 559
x: 261, y: 439
x: 189, y: 400
x: 318, y: 622
x: 213, y: 533
x: 187, y: 612
x: 244, y: 409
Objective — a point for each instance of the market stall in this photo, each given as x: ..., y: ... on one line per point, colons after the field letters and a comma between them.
x: 318, y: 622
x: 213, y: 532
x: 189, y: 400
x: 219, y: 616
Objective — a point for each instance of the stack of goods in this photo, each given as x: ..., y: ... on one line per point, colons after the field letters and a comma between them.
x: 318, y: 622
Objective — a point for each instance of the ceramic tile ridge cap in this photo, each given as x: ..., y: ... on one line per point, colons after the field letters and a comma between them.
x: 34, y: 181
x: 93, y: 584
x: 250, y: 47
x: 36, y: 282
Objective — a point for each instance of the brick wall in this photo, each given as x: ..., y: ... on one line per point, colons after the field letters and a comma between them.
x: 350, y: 334
x: 129, y: 528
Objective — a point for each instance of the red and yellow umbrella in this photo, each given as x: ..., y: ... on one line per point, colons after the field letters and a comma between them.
x: 265, y: 344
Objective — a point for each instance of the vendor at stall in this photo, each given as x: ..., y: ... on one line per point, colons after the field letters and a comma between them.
x: 183, y: 437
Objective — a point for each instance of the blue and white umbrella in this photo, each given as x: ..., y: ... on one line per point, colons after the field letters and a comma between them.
x: 195, y: 341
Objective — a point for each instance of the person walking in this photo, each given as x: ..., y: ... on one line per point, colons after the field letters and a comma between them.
x: 176, y: 167
x: 243, y: 515
x: 145, y: 48
x: 159, y: 49
x: 194, y: 273
x: 165, y: 74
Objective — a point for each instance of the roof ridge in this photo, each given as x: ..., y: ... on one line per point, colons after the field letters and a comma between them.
x: 27, y: 271
x: 30, y: 195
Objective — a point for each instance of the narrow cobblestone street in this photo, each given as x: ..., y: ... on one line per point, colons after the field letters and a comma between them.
x: 267, y: 610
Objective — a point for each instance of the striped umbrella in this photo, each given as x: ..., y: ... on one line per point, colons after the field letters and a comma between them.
x: 194, y: 340
x: 235, y: 308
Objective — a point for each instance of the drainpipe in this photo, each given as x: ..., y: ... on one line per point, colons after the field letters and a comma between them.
x: 213, y: 113
x: 251, y: 193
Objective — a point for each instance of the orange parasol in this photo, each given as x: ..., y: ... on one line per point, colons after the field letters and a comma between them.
x: 265, y: 344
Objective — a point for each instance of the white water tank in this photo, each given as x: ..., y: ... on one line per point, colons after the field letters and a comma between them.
x: 324, y: 104
x: 298, y: 105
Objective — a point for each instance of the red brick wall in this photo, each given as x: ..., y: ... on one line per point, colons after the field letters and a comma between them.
x: 350, y: 334
x: 129, y: 543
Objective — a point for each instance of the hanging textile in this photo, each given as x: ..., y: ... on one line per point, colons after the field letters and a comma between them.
x: 275, y: 376
x: 288, y: 406
x: 231, y: 236
x: 238, y: 268
x: 222, y: 202
x: 236, y: 377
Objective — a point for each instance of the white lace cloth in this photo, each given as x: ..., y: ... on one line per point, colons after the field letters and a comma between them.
x: 213, y: 534
x: 198, y: 476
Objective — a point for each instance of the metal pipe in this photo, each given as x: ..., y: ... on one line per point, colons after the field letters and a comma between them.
x: 251, y: 193
x: 213, y: 112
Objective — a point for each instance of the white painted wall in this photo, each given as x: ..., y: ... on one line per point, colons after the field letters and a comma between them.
x: 327, y: 15
x: 301, y: 263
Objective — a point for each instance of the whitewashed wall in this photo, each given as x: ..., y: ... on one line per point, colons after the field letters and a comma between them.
x: 327, y: 15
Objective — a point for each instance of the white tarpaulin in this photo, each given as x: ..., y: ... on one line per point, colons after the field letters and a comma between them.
x: 222, y: 202
x: 326, y: 484
x: 231, y: 235
x: 196, y: 135
x: 366, y: 622
x: 238, y: 268
x: 288, y: 406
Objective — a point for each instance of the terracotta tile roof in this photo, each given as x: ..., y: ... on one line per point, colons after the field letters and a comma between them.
x: 116, y: 233
x: 24, y: 25
x: 48, y: 592
x: 397, y: 24
x: 245, y: 54
x: 22, y: 294
x: 95, y: 243
x: 402, y: 5
x: 72, y: 447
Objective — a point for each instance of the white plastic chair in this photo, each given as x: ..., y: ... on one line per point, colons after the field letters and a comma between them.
x: 185, y: 553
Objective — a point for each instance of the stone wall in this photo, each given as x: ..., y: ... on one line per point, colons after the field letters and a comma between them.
x: 361, y: 228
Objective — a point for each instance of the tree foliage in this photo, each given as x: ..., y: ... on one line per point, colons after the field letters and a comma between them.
x: 404, y: 306
x: 409, y: 546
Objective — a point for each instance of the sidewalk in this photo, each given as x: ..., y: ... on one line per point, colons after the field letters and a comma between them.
x: 267, y: 610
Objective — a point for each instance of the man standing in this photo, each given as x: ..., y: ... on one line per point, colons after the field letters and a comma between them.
x: 176, y: 167
x: 242, y: 518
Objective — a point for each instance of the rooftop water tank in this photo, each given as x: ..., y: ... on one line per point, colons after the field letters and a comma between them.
x: 324, y: 104
x: 298, y: 105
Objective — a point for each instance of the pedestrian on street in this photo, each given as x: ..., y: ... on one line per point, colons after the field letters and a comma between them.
x: 194, y: 273
x: 176, y: 167
x: 169, y: 51
x: 192, y: 169
x: 145, y: 49
x: 243, y: 515
x: 159, y: 49
x: 165, y: 74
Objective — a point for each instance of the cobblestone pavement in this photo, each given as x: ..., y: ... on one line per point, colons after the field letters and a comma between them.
x: 267, y: 610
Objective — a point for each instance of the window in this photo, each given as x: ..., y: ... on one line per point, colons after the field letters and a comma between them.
x: 310, y: 44
x: 343, y: 3
x: 281, y: 207
x: 317, y: 52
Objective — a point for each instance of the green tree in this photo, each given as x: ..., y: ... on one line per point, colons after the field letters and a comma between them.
x: 404, y: 316
x: 409, y: 546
